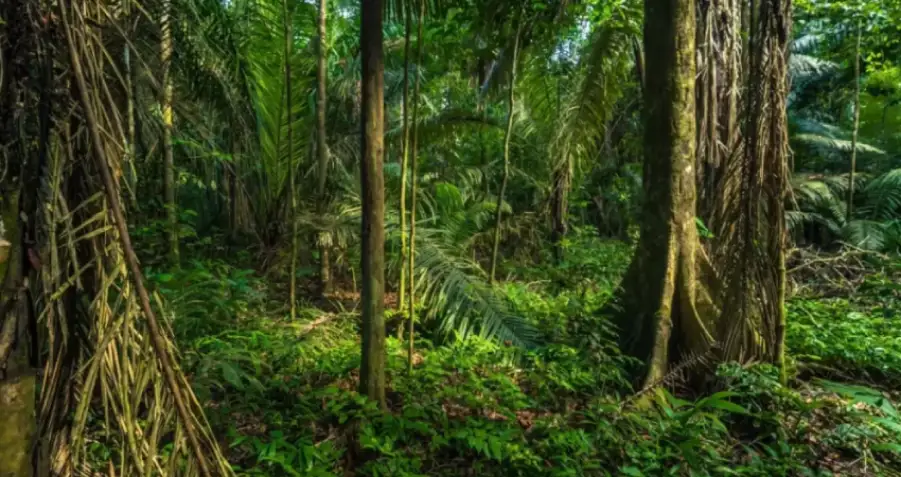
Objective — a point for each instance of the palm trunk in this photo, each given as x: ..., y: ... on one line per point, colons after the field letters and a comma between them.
x: 168, y: 126
x: 854, y: 132
x: 372, y: 366
x: 413, y: 157
x: 405, y: 147
x: 292, y: 217
x: 506, y: 174
x: 325, y: 275
x: 667, y: 310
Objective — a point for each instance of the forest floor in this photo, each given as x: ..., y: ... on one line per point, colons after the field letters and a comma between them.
x: 281, y: 395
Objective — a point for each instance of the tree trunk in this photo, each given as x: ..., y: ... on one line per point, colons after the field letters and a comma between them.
x: 850, y: 209
x: 17, y: 381
x: 511, y: 102
x: 169, y: 184
x: 560, y: 204
x: 404, y: 158
x: 325, y: 266
x: 372, y: 367
x: 413, y: 158
x: 667, y: 310
x: 292, y: 190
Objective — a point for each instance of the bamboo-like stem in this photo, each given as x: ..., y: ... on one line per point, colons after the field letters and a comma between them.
x: 511, y: 103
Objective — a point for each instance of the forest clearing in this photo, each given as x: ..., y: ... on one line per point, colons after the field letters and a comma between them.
x: 450, y: 238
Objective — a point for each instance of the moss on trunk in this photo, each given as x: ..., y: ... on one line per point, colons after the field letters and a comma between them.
x: 17, y: 380
x: 667, y: 309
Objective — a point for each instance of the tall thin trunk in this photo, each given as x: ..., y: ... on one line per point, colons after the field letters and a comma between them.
x: 562, y: 178
x: 372, y: 366
x: 854, y: 132
x: 413, y: 157
x: 130, y: 149
x: 404, y: 158
x: 511, y: 103
x: 325, y: 275
x: 292, y: 217
x: 169, y: 184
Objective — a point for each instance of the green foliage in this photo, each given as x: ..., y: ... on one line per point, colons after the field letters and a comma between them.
x: 837, y: 337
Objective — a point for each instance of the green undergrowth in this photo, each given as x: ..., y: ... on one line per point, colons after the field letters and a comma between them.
x: 855, y: 338
x: 282, y: 397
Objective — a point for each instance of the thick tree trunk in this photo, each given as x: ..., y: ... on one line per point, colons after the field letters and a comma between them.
x: 169, y: 184
x: 372, y: 367
x: 325, y: 266
x: 511, y: 102
x: 667, y: 310
x: 17, y: 380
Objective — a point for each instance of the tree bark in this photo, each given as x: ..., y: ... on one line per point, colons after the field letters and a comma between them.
x: 169, y: 184
x: 413, y: 161
x: 17, y: 381
x: 404, y: 158
x: 511, y: 103
x: 850, y: 209
x: 372, y: 367
x: 292, y: 190
x: 325, y: 275
x: 667, y: 310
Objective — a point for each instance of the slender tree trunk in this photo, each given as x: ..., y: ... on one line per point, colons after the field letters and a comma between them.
x: 130, y: 149
x: 169, y: 185
x: 292, y: 217
x: 511, y: 103
x: 372, y: 367
x: 667, y: 311
x: 17, y: 381
x: 850, y: 209
x: 325, y: 274
x: 404, y: 158
x: 413, y: 160
x: 560, y: 204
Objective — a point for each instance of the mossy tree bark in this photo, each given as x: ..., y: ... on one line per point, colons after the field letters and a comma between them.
x: 372, y: 367
x: 17, y: 381
x: 667, y: 308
